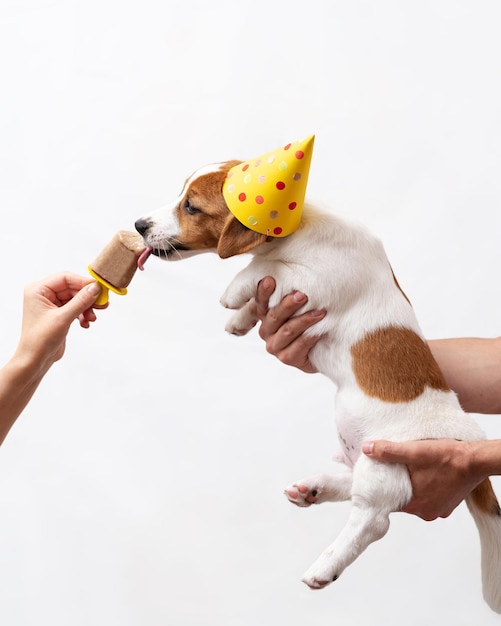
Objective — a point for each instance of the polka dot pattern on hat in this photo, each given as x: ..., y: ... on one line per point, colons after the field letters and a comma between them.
x: 267, y: 194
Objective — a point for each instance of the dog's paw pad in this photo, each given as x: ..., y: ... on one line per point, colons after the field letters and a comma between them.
x: 238, y: 332
x: 235, y: 330
x: 315, y: 583
x: 238, y: 326
x: 302, y: 495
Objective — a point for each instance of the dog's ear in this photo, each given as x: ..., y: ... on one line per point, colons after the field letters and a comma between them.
x: 238, y: 239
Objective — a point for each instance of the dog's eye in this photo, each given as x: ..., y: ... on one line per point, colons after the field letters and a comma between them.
x: 190, y: 209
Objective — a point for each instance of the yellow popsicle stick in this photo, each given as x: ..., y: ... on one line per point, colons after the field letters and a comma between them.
x: 106, y: 286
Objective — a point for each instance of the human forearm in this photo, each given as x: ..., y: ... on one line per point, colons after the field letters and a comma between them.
x: 485, y: 457
x: 472, y: 367
x: 50, y: 307
x: 19, y: 379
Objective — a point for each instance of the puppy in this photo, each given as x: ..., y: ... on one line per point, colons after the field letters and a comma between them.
x: 371, y: 347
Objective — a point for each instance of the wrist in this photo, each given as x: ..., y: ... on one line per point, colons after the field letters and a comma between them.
x: 27, y: 366
x: 485, y: 459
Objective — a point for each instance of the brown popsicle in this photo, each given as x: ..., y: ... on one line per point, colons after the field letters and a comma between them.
x: 116, y: 265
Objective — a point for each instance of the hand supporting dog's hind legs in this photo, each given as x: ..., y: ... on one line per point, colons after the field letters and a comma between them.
x: 320, y: 488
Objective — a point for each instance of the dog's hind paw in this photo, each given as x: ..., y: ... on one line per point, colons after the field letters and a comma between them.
x: 302, y: 495
x: 322, y: 573
x: 314, y: 583
x: 320, y: 488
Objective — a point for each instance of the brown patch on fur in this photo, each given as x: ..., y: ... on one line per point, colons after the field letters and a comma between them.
x: 202, y: 212
x: 206, y: 222
x: 485, y: 498
x: 395, y: 365
x: 398, y: 286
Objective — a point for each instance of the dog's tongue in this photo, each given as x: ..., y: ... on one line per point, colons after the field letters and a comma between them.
x: 143, y: 257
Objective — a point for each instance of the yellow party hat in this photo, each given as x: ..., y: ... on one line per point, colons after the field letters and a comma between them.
x: 267, y: 194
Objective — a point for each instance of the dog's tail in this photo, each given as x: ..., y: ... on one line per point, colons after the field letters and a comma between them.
x: 486, y: 512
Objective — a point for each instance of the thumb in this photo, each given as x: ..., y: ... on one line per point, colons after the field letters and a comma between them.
x: 387, y: 451
x: 81, y: 301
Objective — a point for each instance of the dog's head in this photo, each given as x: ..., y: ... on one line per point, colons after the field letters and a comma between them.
x: 198, y: 220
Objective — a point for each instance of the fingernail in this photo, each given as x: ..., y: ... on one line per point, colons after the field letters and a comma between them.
x: 94, y: 289
x: 317, y: 313
x: 267, y: 283
x: 368, y: 447
x: 298, y: 296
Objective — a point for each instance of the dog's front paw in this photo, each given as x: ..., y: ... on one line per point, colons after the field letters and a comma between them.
x: 239, y: 327
x: 243, y: 320
x: 303, y: 494
x: 233, y: 298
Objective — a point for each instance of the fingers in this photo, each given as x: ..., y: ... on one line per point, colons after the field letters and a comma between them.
x: 80, y: 306
x: 387, y: 451
x: 417, y: 453
x: 265, y: 288
x: 63, y: 285
x: 284, y: 333
x: 296, y: 353
x: 87, y: 317
x: 280, y: 316
x: 282, y: 330
x: 275, y: 317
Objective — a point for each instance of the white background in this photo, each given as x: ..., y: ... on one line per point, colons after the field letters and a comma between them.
x: 143, y: 484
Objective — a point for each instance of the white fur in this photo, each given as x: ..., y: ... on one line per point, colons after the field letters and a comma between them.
x: 344, y: 269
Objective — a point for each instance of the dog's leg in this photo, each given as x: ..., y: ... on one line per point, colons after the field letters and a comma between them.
x: 239, y: 295
x: 377, y: 490
x: 241, y: 289
x: 243, y: 320
x: 321, y: 488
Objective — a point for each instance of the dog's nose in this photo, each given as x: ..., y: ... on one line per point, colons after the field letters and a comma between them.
x: 142, y: 226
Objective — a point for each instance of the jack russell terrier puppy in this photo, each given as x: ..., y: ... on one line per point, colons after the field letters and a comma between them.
x: 388, y: 385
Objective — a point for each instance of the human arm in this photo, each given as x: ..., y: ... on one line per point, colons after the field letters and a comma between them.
x: 50, y: 306
x: 472, y: 367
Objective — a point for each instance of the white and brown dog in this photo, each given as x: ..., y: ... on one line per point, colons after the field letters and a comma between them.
x: 388, y: 384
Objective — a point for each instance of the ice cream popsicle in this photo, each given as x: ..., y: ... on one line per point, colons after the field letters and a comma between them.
x: 117, y: 263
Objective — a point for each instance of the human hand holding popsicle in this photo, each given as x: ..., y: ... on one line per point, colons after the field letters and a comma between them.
x: 50, y: 308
